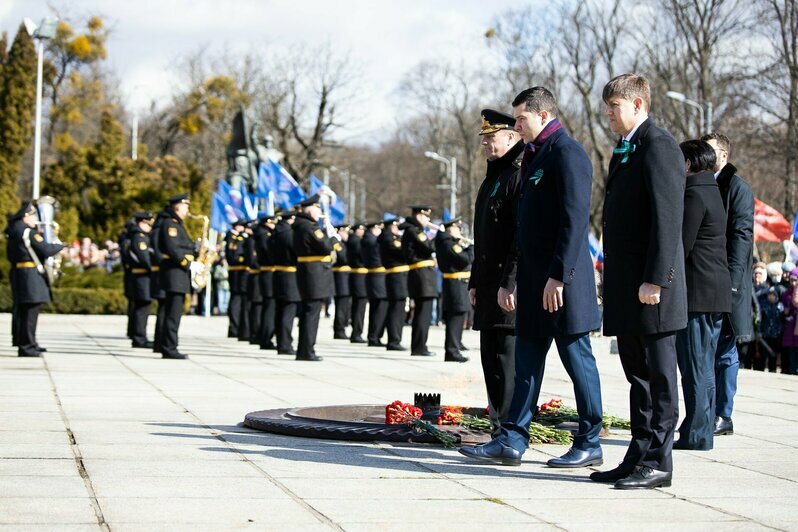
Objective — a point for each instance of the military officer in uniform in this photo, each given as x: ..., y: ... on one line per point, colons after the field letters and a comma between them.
x: 286, y: 292
x: 27, y: 251
x: 139, y: 257
x: 357, y: 282
x: 124, y: 259
x: 375, y: 283
x: 177, y: 259
x: 261, y: 236
x: 421, y: 280
x: 314, y: 254
x: 156, y: 290
x: 393, y: 260
x: 454, y: 261
x: 235, y: 251
x: 254, y: 297
x: 341, y: 272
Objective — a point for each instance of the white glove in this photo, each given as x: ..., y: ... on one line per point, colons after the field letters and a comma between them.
x: 196, y: 268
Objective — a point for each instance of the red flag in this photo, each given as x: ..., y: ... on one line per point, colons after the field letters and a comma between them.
x: 769, y: 224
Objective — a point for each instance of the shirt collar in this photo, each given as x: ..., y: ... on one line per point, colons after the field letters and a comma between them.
x: 634, y: 129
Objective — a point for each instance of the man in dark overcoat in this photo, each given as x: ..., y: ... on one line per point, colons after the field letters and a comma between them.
x: 139, y: 258
x: 341, y: 273
x: 286, y: 292
x: 375, y: 283
x: 357, y: 282
x: 235, y: 253
x: 422, y: 285
x: 454, y: 261
x: 393, y: 259
x: 261, y: 236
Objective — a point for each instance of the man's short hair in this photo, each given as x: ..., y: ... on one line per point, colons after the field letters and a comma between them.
x: 723, y: 142
x: 628, y: 87
x: 537, y: 100
x: 699, y: 154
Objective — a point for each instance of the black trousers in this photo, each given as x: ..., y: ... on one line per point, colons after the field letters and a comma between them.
x: 395, y: 321
x: 14, y: 322
x: 649, y: 362
x: 131, y: 318
x: 255, y: 312
x: 286, y: 312
x: 455, y: 321
x: 308, y: 327
x: 160, y: 314
x: 422, y: 315
x: 343, y: 309
x: 243, y: 319
x: 234, y: 314
x: 358, y: 316
x: 267, y: 315
x: 173, y: 311
x: 138, y: 321
x: 378, y: 309
x: 497, y: 348
x: 27, y: 321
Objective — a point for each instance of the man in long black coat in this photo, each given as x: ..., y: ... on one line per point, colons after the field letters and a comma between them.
x: 393, y: 259
x: 156, y: 290
x: 357, y: 282
x: 738, y: 199
x: 261, y: 236
x: 645, y: 295
x: 343, y: 295
x: 235, y: 253
x: 454, y: 261
x: 375, y: 283
x: 494, y: 268
x: 139, y: 258
x: 422, y: 285
x: 286, y: 291
x: 254, y: 297
x: 556, y: 292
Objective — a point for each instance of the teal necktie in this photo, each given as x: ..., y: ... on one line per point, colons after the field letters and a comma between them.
x: 625, y: 149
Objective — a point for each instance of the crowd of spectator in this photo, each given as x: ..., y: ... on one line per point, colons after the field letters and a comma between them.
x: 84, y: 254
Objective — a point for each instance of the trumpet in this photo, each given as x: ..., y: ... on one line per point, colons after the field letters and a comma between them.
x: 46, y: 208
x: 464, y: 240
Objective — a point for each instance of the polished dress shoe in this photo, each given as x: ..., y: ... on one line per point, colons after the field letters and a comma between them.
x: 144, y: 345
x: 578, y: 458
x: 493, y: 451
x: 464, y: 348
x: 30, y: 354
x: 390, y: 347
x: 455, y: 358
x: 41, y: 349
x: 357, y: 340
x: 723, y: 426
x: 340, y: 337
x: 645, y: 477
x: 310, y: 358
x: 268, y: 346
x: 613, y: 475
x: 682, y: 445
x: 286, y: 352
x: 423, y: 354
x: 376, y: 344
x: 175, y: 356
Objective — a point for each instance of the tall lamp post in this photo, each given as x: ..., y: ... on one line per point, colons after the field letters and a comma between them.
x: 45, y: 30
x: 451, y: 166
x: 704, y: 111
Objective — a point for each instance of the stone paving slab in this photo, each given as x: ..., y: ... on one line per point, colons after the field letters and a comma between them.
x: 96, y: 435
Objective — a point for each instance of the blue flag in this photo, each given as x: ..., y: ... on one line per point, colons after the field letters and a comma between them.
x: 315, y: 185
x: 219, y: 221
x: 233, y: 201
x: 287, y: 191
x: 266, y: 180
x: 446, y: 215
x: 795, y: 228
x: 337, y: 205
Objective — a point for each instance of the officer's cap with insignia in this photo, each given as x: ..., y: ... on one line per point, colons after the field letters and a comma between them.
x: 346, y: 227
x: 269, y: 218
x: 177, y: 199
x: 143, y: 216
x: 421, y: 209
x: 313, y: 200
x: 26, y: 209
x: 369, y: 225
x: 358, y: 225
x: 393, y: 220
x: 242, y: 222
x: 454, y: 221
x: 493, y: 121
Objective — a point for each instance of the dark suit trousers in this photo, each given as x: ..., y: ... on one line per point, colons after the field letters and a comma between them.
x: 378, y: 309
x: 454, y: 333
x: 159, y: 319
x: 234, y: 314
x: 649, y: 362
x: 395, y: 321
x: 243, y: 319
x: 131, y: 318
x: 695, y: 353
x: 343, y: 308
x: 138, y: 328
x: 497, y: 349
x: 255, y: 312
x: 171, y: 322
x: 530, y: 361
x: 308, y: 327
x: 286, y: 312
x: 358, y: 316
x: 422, y: 316
x: 267, y: 321
x: 27, y: 320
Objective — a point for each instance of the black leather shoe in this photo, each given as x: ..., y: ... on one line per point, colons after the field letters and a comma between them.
x: 376, y: 344
x: 145, y: 345
x: 268, y: 346
x: 645, y: 477
x: 613, y: 475
x: 578, y: 458
x: 493, y: 451
x: 682, y: 445
x: 311, y: 358
x: 31, y: 354
x: 455, y: 358
x: 357, y: 341
x: 175, y: 356
x: 464, y: 348
x: 423, y: 354
x: 340, y: 337
x: 41, y: 349
x: 723, y: 426
x: 286, y: 352
x: 395, y: 348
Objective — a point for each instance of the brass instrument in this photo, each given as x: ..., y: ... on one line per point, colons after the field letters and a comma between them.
x: 46, y: 209
x: 464, y: 240
x: 206, y: 255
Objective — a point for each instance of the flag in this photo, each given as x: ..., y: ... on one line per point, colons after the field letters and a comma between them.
x: 337, y: 205
x: 266, y: 180
x: 446, y: 215
x: 769, y: 224
x: 219, y: 220
x: 316, y: 186
x: 287, y: 191
x: 248, y: 203
x: 233, y: 201
x: 594, y: 244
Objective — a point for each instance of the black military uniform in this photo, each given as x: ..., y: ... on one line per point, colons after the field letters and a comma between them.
x: 138, y: 255
x: 422, y: 283
x: 156, y: 290
x: 254, y: 297
x: 375, y: 284
x: 343, y: 299
x: 261, y: 236
x: 313, y: 250
x: 286, y: 291
x: 494, y: 267
x: 27, y: 251
x: 124, y: 259
x: 177, y: 254
x: 357, y: 283
x: 235, y: 253
x: 454, y: 261
x: 393, y: 259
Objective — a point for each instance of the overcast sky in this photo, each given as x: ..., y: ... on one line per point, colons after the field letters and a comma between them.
x: 386, y: 38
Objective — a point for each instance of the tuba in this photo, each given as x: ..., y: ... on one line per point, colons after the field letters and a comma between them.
x: 206, y: 255
x: 46, y: 208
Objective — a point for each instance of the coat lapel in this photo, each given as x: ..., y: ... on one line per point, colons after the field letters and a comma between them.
x: 637, y: 138
x: 541, y: 157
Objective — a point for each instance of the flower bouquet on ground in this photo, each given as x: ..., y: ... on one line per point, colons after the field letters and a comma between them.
x: 555, y: 412
x: 398, y: 413
x: 453, y: 415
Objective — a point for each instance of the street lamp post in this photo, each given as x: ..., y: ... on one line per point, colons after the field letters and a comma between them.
x: 704, y: 111
x: 45, y: 30
x: 451, y: 167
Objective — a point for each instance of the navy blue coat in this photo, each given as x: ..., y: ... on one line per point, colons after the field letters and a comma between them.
x: 553, y: 213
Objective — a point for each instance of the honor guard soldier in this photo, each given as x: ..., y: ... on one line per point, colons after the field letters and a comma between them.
x: 254, y: 298
x: 494, y: 269
x: 421, y: 280
x: 393, y: 259
x: 261, y: 236
x: 454, y: 260
x: 357, y: 282
x: 27, y: 251
x: 314, y: 250
x: 124, y: 259
x: 375, y: 283
x: 341, y: 272
x: 139, y: 257
x: 156, y: 290
x: 286, y: 292
x: 235, y: 251
x: 177, y: 256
